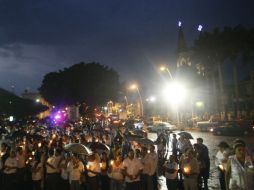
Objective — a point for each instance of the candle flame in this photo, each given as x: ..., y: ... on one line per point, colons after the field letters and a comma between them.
x: 186, y: 170
x: 221, y: 167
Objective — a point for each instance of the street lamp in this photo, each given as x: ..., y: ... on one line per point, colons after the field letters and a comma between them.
x: 163, y: 68
x: 175, y: 94
x: 133, y: 87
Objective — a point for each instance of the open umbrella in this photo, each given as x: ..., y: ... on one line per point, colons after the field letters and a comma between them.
x: 98, y: 146
x: 78, y: 148
x: 144, y: 141
x: 185, y: 135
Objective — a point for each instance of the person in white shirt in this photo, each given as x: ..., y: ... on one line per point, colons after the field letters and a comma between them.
x: 93, y: 171
x: 10, y: 171
x: 221, y: 162
x: 116, y: 174
x: 190, y: 170
x: 132, y: 169
x: 75, y: 168
x: 239, y: 170
x: 37, y: 168
x: 154, y: 163
x: 21, y: 170
x: 64, y: 173
x: 52, y: 171
x: 171, y: 171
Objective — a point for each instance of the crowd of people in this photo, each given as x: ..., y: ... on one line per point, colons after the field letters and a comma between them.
x: 35, y: 158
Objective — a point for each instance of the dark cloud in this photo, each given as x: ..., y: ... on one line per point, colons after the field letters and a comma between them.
x: 131, y: 36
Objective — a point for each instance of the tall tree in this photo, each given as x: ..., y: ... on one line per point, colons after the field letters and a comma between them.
x: 92, y: 84
x: 213, y: 48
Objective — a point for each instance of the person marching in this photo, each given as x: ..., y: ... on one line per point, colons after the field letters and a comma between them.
x: 221, y: 161
x: 116, y: 174
x: 239, y: 170
x: 75, y: 167
x: 171, y: 172
x: 132, y: 169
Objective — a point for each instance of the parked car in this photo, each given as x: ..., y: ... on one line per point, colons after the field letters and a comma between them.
x: 234, y: 129
x: 207, y: 125
x: 163, y: 126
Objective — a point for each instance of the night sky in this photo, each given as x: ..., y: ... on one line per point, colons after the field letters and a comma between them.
x: 131, y: 36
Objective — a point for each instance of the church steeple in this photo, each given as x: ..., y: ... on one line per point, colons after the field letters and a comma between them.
x: 181, y: 46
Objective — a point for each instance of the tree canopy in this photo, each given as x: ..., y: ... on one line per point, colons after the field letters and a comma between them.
x: 219, y: 45
x: 91, y: 83
x: 10, y: 104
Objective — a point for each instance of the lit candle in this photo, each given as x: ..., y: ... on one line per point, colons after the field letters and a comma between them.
x: 30, y: 158
x: 186, y: 170
x: 1, y: 153
x: 33, y: 153
x: 221, y: 167
x: 101, y: 165
x: 111, y: 162
x: 54, y: 136
x: 39, y: 145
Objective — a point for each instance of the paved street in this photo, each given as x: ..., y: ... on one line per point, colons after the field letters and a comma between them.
x: 211, y: 141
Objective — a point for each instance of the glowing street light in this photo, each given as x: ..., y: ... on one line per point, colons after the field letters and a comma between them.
x: 175, y: 94
x: 163, y: 68
x: 151, y: 99
x: 135, y: 87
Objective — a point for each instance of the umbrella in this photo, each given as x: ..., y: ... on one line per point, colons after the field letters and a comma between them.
x: 144, y: 141
x: 18, y: 134
x: 98, y: 146
x: 139, y: 132
x: 185, y: 135
x: 77, y: 148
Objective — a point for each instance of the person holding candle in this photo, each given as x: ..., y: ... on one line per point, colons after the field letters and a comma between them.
x: 221, y: 161
x: 239, y: 170
x: 190, y: 170
x: 10, y: 171
x: 104, y: 169
x: 52, y: 171
x: 132, y: 169
x: 21, y: 170
x: 171, y: 170
x: 37, y: 167
x: 75, y: 167
x: 64, y: 173
x: 93, y: 171
x: 116, y: 174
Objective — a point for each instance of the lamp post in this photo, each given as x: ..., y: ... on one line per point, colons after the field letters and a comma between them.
x: 133, y: 87
x: 163, y: 68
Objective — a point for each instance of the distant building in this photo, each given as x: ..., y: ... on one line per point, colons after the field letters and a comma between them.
x: 36, y: 97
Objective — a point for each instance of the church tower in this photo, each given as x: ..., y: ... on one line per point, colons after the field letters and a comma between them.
x: 183, y: 54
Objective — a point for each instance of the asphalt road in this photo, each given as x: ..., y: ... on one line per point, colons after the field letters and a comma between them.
x: 211, y: 142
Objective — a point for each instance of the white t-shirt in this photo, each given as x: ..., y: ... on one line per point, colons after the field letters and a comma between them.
x: 11, y: 162
x: 132, y: 168
x: 21, y: 160
x: 64, y: 172
x: 37, y: 175
x: 116, y: 172
x: 173, y: 166
x: 93, y: 166
x: 52, y: 160
x: 75, y: 173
